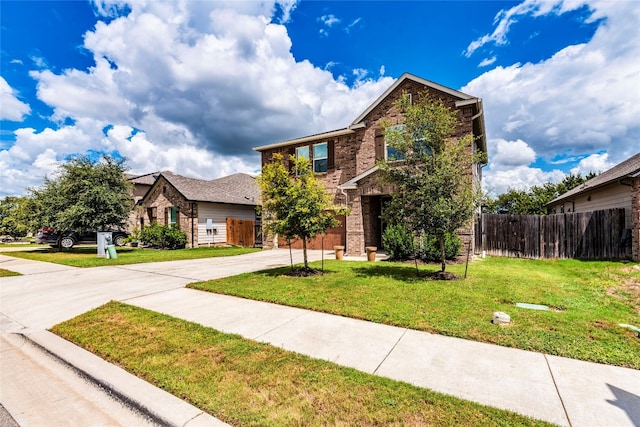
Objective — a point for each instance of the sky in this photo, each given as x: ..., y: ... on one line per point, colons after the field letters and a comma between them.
x: 194, y: 86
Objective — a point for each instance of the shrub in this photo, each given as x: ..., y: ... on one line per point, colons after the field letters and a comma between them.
x: 398, y: 241
x: 163, y: 236
x: 429, y: 249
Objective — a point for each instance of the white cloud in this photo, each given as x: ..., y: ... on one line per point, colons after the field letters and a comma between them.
x: 510, y: 153
x: 580, y: 101
x: 191, y: 87
x: 518, y: 178
x: 352, y: 25
x: 506, y: 18
x: 597, y: 163
x: 329, y: 20
x: 12, y: 108
x: 487, y: 61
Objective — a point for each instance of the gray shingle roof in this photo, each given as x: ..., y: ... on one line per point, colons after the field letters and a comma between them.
x: 628, y: 168
x: 239, y: 188
x: 146, y: 179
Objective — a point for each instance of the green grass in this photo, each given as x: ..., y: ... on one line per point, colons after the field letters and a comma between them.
x: 588, y: 300
x: 8, y: 273
x: 19, y: 245
x: 86, y: 256
x: 246, y: 383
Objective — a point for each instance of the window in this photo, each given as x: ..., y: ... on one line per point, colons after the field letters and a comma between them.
x: 173, y: 216
x: 391, y: 153
x: 152, y: 213
x: 320, y: 158
x: 302, y: 152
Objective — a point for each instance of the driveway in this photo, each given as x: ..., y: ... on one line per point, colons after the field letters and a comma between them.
x: 48, y: 293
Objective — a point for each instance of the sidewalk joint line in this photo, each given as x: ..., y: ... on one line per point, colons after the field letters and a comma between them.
x: 123, y: 267
x: 304, y: 313
x: 150, y: 293
x: 564, y: 408
x: 392, y: 348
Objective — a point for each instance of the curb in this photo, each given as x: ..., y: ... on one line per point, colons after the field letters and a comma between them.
x: 150, y: 401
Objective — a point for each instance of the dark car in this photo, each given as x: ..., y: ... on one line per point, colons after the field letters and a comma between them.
x: 70, y: 238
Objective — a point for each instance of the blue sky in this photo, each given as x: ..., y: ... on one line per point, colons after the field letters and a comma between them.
x: 193, y: 86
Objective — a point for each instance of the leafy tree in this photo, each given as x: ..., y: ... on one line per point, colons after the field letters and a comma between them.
x: 86, y: 194
x: 434, y: 191
x: 13, y: 220
x: 533, y: 201
x: 295, y: 205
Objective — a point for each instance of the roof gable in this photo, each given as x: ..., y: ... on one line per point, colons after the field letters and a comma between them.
x: 406, y: 76
x: 358, y: 123
x: 238, y: 189
x: 629, y: 168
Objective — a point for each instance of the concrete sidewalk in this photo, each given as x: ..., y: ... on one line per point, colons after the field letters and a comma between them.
x: 559, y: 390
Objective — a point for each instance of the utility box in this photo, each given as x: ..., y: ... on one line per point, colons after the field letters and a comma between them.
x: 104, y: 238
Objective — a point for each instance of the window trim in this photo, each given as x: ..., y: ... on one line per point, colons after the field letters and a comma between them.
x: 326, y: 158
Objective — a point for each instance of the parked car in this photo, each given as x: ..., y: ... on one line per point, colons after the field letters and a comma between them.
x: 70, y: 238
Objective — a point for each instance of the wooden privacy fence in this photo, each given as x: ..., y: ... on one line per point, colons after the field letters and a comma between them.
x: 583, y: 235
x: 241, y: 232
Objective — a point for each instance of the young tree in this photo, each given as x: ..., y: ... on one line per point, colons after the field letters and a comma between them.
x: 87, y: 194
x: 295, y: 205
x: 434, y: 190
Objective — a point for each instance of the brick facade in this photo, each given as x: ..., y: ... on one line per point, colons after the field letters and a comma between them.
x: 354, y: 154
x: 635, y: 219
x: 162, y: 198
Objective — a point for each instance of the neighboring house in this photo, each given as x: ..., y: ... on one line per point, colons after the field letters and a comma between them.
x: 210, y: 212
x: 345, y: 159
x: 141, y: 184
x: 618, y: 187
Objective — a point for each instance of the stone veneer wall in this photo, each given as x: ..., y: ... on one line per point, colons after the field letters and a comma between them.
x: 164, y: 196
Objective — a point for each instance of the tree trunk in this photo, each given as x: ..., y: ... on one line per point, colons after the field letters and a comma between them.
x: 442, y: 254
x: 304, y: 253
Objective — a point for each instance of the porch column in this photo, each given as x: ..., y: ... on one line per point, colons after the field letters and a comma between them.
x: 355, y: 230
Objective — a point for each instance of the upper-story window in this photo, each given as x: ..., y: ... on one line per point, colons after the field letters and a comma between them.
x: 320, y: 158
x: 302, y: 152
x: 391, y: 153
x: 320, y: 155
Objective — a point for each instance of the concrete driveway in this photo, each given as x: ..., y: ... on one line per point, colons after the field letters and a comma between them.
x: 49, y: 293
x: 563, y: 391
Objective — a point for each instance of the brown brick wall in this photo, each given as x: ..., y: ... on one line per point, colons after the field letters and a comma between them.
x: 354, y: 154
x: 635, y: 219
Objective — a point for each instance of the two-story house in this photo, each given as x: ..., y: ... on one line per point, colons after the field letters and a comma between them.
x: 345, y: 159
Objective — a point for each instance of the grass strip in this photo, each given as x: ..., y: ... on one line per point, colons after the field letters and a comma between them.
x: 588, y: 301
x: 246, y: 383
x: 86, y: 256
x: 8, y: 273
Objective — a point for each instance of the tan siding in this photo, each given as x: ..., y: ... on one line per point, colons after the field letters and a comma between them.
x: 609, y: 197
x: 219, y: 213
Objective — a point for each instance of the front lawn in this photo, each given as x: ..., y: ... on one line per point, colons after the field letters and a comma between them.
x: 86, y: 256
x: 588, y: 301
x: 246, y: 383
